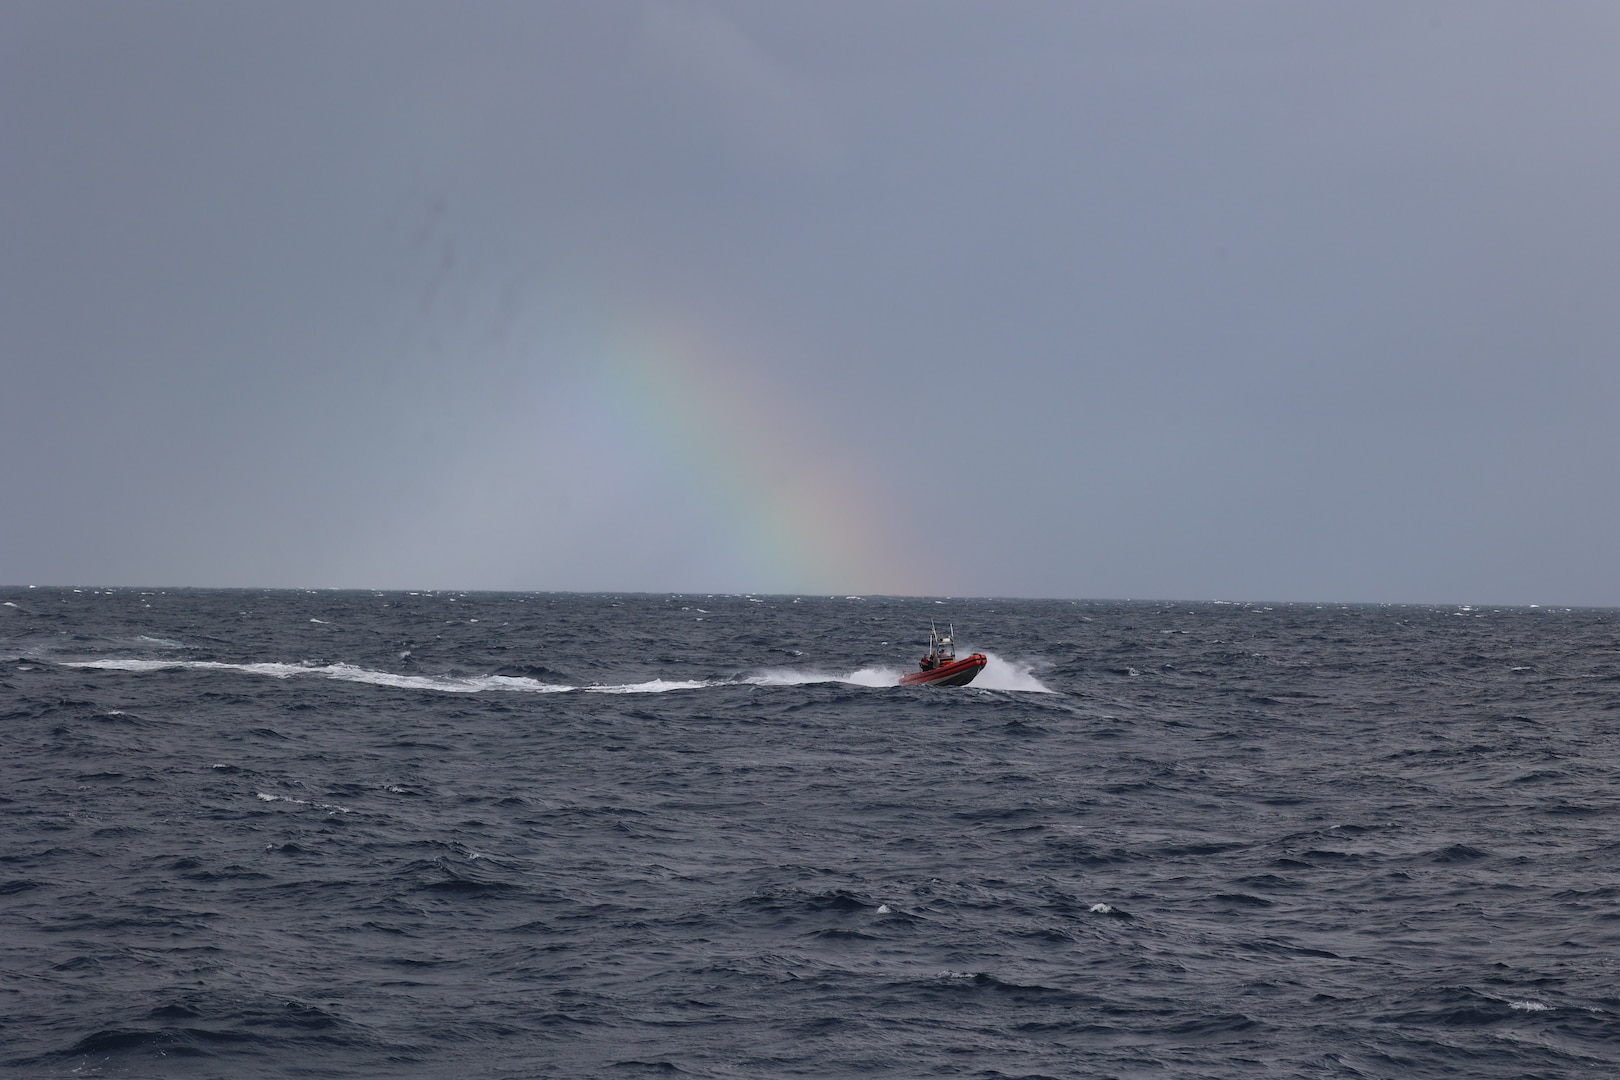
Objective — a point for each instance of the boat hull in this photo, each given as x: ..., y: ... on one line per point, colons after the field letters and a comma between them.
x: 957, y: 673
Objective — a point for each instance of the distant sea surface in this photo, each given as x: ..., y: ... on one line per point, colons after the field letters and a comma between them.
x: 355, y: 834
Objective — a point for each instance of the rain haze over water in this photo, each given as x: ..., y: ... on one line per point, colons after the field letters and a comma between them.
x: 1242, y: 301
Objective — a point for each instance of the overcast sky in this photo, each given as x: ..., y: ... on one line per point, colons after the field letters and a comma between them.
x: 1239, y: 300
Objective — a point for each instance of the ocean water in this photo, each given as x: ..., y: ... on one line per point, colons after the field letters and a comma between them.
x: 360, y: 834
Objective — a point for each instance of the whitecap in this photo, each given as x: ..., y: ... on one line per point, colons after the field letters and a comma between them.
x: 265, y: 797
x: 1529, y: 1006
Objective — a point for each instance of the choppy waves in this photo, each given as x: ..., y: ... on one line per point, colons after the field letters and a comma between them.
x: 577, y: 836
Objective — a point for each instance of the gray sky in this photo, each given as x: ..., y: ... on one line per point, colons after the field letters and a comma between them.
x: 1241, y: 300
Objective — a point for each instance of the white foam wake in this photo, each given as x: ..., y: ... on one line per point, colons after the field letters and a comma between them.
x: 655, y: 686
x: 1001, y: 674
x: 444, y: 684
x: 869, y: 676
x: 997, y: 675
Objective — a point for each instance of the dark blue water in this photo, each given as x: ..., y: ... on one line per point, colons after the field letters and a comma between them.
x: 354, y: 834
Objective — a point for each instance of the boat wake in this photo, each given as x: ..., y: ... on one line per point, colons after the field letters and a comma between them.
x: 1001, y: 674
x: 444, y: 684
x: 868, y: 676
x: 997, y: 675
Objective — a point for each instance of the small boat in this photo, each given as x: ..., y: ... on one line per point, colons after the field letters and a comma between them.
x: 941, y: 667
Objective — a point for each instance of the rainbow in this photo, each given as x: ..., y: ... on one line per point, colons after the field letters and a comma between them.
x: 703, y: 427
